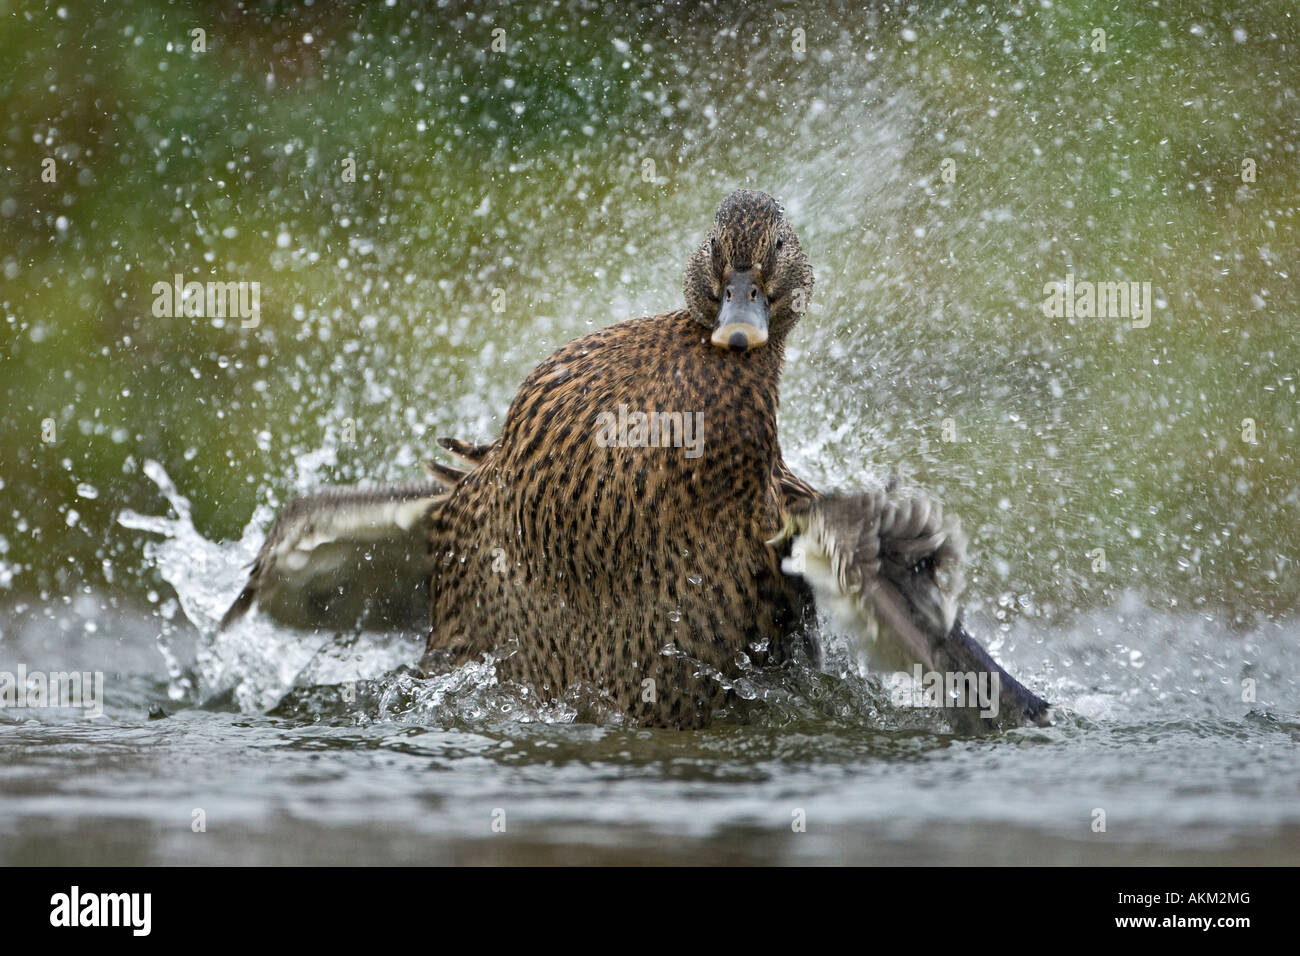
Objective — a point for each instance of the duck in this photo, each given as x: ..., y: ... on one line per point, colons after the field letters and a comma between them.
x: 634, y: 532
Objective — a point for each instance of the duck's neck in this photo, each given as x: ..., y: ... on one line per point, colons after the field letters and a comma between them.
x: 739, y: 394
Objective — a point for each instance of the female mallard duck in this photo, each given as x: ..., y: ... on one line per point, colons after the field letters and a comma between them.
x: 628, y: 528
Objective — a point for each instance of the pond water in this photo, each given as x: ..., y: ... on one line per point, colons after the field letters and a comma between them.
x: 427, y: 217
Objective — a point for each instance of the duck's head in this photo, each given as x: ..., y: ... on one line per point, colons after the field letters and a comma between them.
x: 749, y: 281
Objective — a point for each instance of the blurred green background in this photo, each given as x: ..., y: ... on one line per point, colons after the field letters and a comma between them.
x: 525, y: 171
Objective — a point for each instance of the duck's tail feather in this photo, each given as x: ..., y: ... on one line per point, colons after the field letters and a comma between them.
x: 888, y: 566
x: 466, y: 453
x: 445, y: 475
x: 345, y: 558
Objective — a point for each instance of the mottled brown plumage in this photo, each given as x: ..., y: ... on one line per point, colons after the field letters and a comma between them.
x: 640, y: 572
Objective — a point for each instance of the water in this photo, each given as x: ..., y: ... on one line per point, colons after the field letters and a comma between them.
x: 358, y: 761
x: 146, y: 454
x: 415, y: 773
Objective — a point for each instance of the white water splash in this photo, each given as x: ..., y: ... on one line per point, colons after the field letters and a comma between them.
x: 254, y: 661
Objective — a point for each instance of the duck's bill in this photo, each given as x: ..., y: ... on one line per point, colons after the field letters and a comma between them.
x: 740, y: 336
x: 743, y: 318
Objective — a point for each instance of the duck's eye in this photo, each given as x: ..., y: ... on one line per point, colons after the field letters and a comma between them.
x: 780, y: 243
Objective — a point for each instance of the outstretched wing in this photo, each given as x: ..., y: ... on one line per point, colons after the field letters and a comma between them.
x: 354, y: 557
x: 889, y: 567
x: 344, y: 558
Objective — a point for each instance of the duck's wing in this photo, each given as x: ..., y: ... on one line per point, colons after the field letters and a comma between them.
x: 345, y: 558
x: 889, y: 568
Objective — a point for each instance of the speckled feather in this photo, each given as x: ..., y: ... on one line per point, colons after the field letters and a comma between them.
x: 616, y: 566
x: 641, y: 573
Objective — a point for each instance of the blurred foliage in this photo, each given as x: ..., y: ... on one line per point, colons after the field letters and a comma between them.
x: 522, y: 171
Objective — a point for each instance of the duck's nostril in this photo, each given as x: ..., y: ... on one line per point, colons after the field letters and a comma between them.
x: 728, y: 295
x: 738, y: 342
x: 753, y: 294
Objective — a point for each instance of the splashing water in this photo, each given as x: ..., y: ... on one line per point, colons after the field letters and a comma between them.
x: 1125, y: 664
x: 253, y: 662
